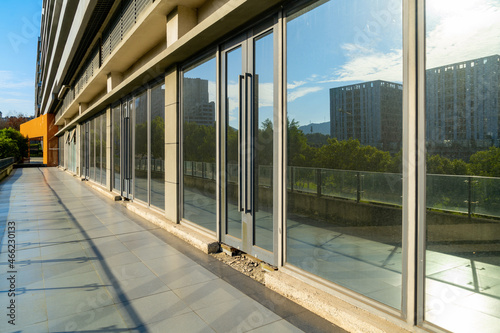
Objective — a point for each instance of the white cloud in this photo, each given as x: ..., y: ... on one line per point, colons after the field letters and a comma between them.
x: 8, y: 80
x: 295, y: 84
x: 301, y: 92
x: 468, y: 30
x: 366, y: 66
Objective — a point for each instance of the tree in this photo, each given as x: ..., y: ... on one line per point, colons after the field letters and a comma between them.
x: 11, y: 136
x: 486, y: 163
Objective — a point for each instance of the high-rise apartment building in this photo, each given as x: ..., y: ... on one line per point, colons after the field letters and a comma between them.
x: 369, y: 112
x: 463, y: 107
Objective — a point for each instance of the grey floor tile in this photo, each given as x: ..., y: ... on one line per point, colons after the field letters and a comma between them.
x: 281, y: 326
x: 128, y: 290
x: 186, y: 276
x: 152, y: 308
x: 105, y: 319
x: 207, y: 294
x: 62, y: 304
x: 241, y: 315
x: 189, y: 322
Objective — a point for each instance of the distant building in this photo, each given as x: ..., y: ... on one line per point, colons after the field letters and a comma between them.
x: 462, y: 107
x: 370, y: 112
x: 1, y: 116
x: 197, y: 108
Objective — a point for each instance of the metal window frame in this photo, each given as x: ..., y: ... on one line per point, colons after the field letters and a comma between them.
x: 203, y: 57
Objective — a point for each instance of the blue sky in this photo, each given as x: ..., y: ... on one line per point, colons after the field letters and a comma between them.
x: 19, y: 31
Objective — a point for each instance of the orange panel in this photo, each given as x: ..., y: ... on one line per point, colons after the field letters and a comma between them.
x: 45, y: 128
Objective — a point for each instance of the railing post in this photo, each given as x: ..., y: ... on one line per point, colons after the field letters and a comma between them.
x: 469, y: 201
x: 318, y: 182
x: 203, y: 170
x: 358, y: 189
x: 291, y: 178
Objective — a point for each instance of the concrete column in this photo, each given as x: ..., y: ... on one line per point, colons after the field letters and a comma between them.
x: 171, y: 146
x: 179, y: 21
x: 113, y: 79
x: 108, y: 150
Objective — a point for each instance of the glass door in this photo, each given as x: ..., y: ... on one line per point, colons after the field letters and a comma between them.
x: 86, y: 143
x: 126, y: 145
x: 248, y: 112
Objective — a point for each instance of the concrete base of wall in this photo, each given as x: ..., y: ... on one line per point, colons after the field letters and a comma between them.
x: 328, y: 306
x: 6, y: 172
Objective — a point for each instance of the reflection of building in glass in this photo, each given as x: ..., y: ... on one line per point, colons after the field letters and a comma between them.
x: 370, y: 112
x: 198, y: 109
x: 462, y: 107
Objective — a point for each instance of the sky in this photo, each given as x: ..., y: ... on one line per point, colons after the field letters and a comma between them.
x: 345, y: 42
x: 19, y: 31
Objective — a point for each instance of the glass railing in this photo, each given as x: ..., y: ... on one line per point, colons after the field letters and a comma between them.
x: 471, y: 195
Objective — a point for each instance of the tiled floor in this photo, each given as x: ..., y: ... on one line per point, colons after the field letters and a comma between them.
x: 84, y: 263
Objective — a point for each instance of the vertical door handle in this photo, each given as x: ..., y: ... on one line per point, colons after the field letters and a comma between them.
x: 241, y: 87
x: 249, y: 125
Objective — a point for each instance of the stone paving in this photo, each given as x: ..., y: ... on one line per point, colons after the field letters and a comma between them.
x: 84, y: 263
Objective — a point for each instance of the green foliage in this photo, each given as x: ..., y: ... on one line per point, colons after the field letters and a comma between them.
x: 11, y: 136
x: 439, y: 165
x: 8, y: 148
x: 486, y: 163
x: 351, y: 155
x: 157, y: 133
x: 199, y: 142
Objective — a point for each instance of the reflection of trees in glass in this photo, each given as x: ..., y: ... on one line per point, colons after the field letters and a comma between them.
x: 199, y: 142
x: 141, y: 139
x: 158, y: 132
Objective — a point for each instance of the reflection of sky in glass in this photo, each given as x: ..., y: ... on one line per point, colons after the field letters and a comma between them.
x: 460, y: 30
x: 336, y: 44
x: 264, y: 71
x: 234, y: 70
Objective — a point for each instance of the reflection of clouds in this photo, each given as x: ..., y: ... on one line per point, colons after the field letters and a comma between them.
x: 370, y: 66
x: 466, y: 30
x: 212, y: 91
x: 301, y: 92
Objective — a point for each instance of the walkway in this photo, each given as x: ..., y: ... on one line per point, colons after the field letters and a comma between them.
x: 85, y: 263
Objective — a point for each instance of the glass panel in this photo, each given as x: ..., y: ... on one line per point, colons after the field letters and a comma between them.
x: 199, y: 145
x: 82, y: 149
x: 103, y: 148
x: 98, y: 149
x: 264, y: 109
x: 158, y: 146
x: 233, y: 71
x: 141, y: 147
x: 92, y: 149
x: 344, y: 135
x: 116, y: 147
x: 462, y: 278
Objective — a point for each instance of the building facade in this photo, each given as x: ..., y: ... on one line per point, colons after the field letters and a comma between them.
x: 462, y: 101
x: 369, y: 112
x: 189, y: 110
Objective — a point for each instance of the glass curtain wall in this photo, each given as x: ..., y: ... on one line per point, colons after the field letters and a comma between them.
x: 104, y: 126
x: 116, y: 137
x: 61, y: 151
x: 141, y: 147
x: 92, y: 150
x: 344, y: 139
x: 96, y: 143
x: 157, y: 134
x: 462, y: 271
x: 98, y: 149
x: 199, y: 144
